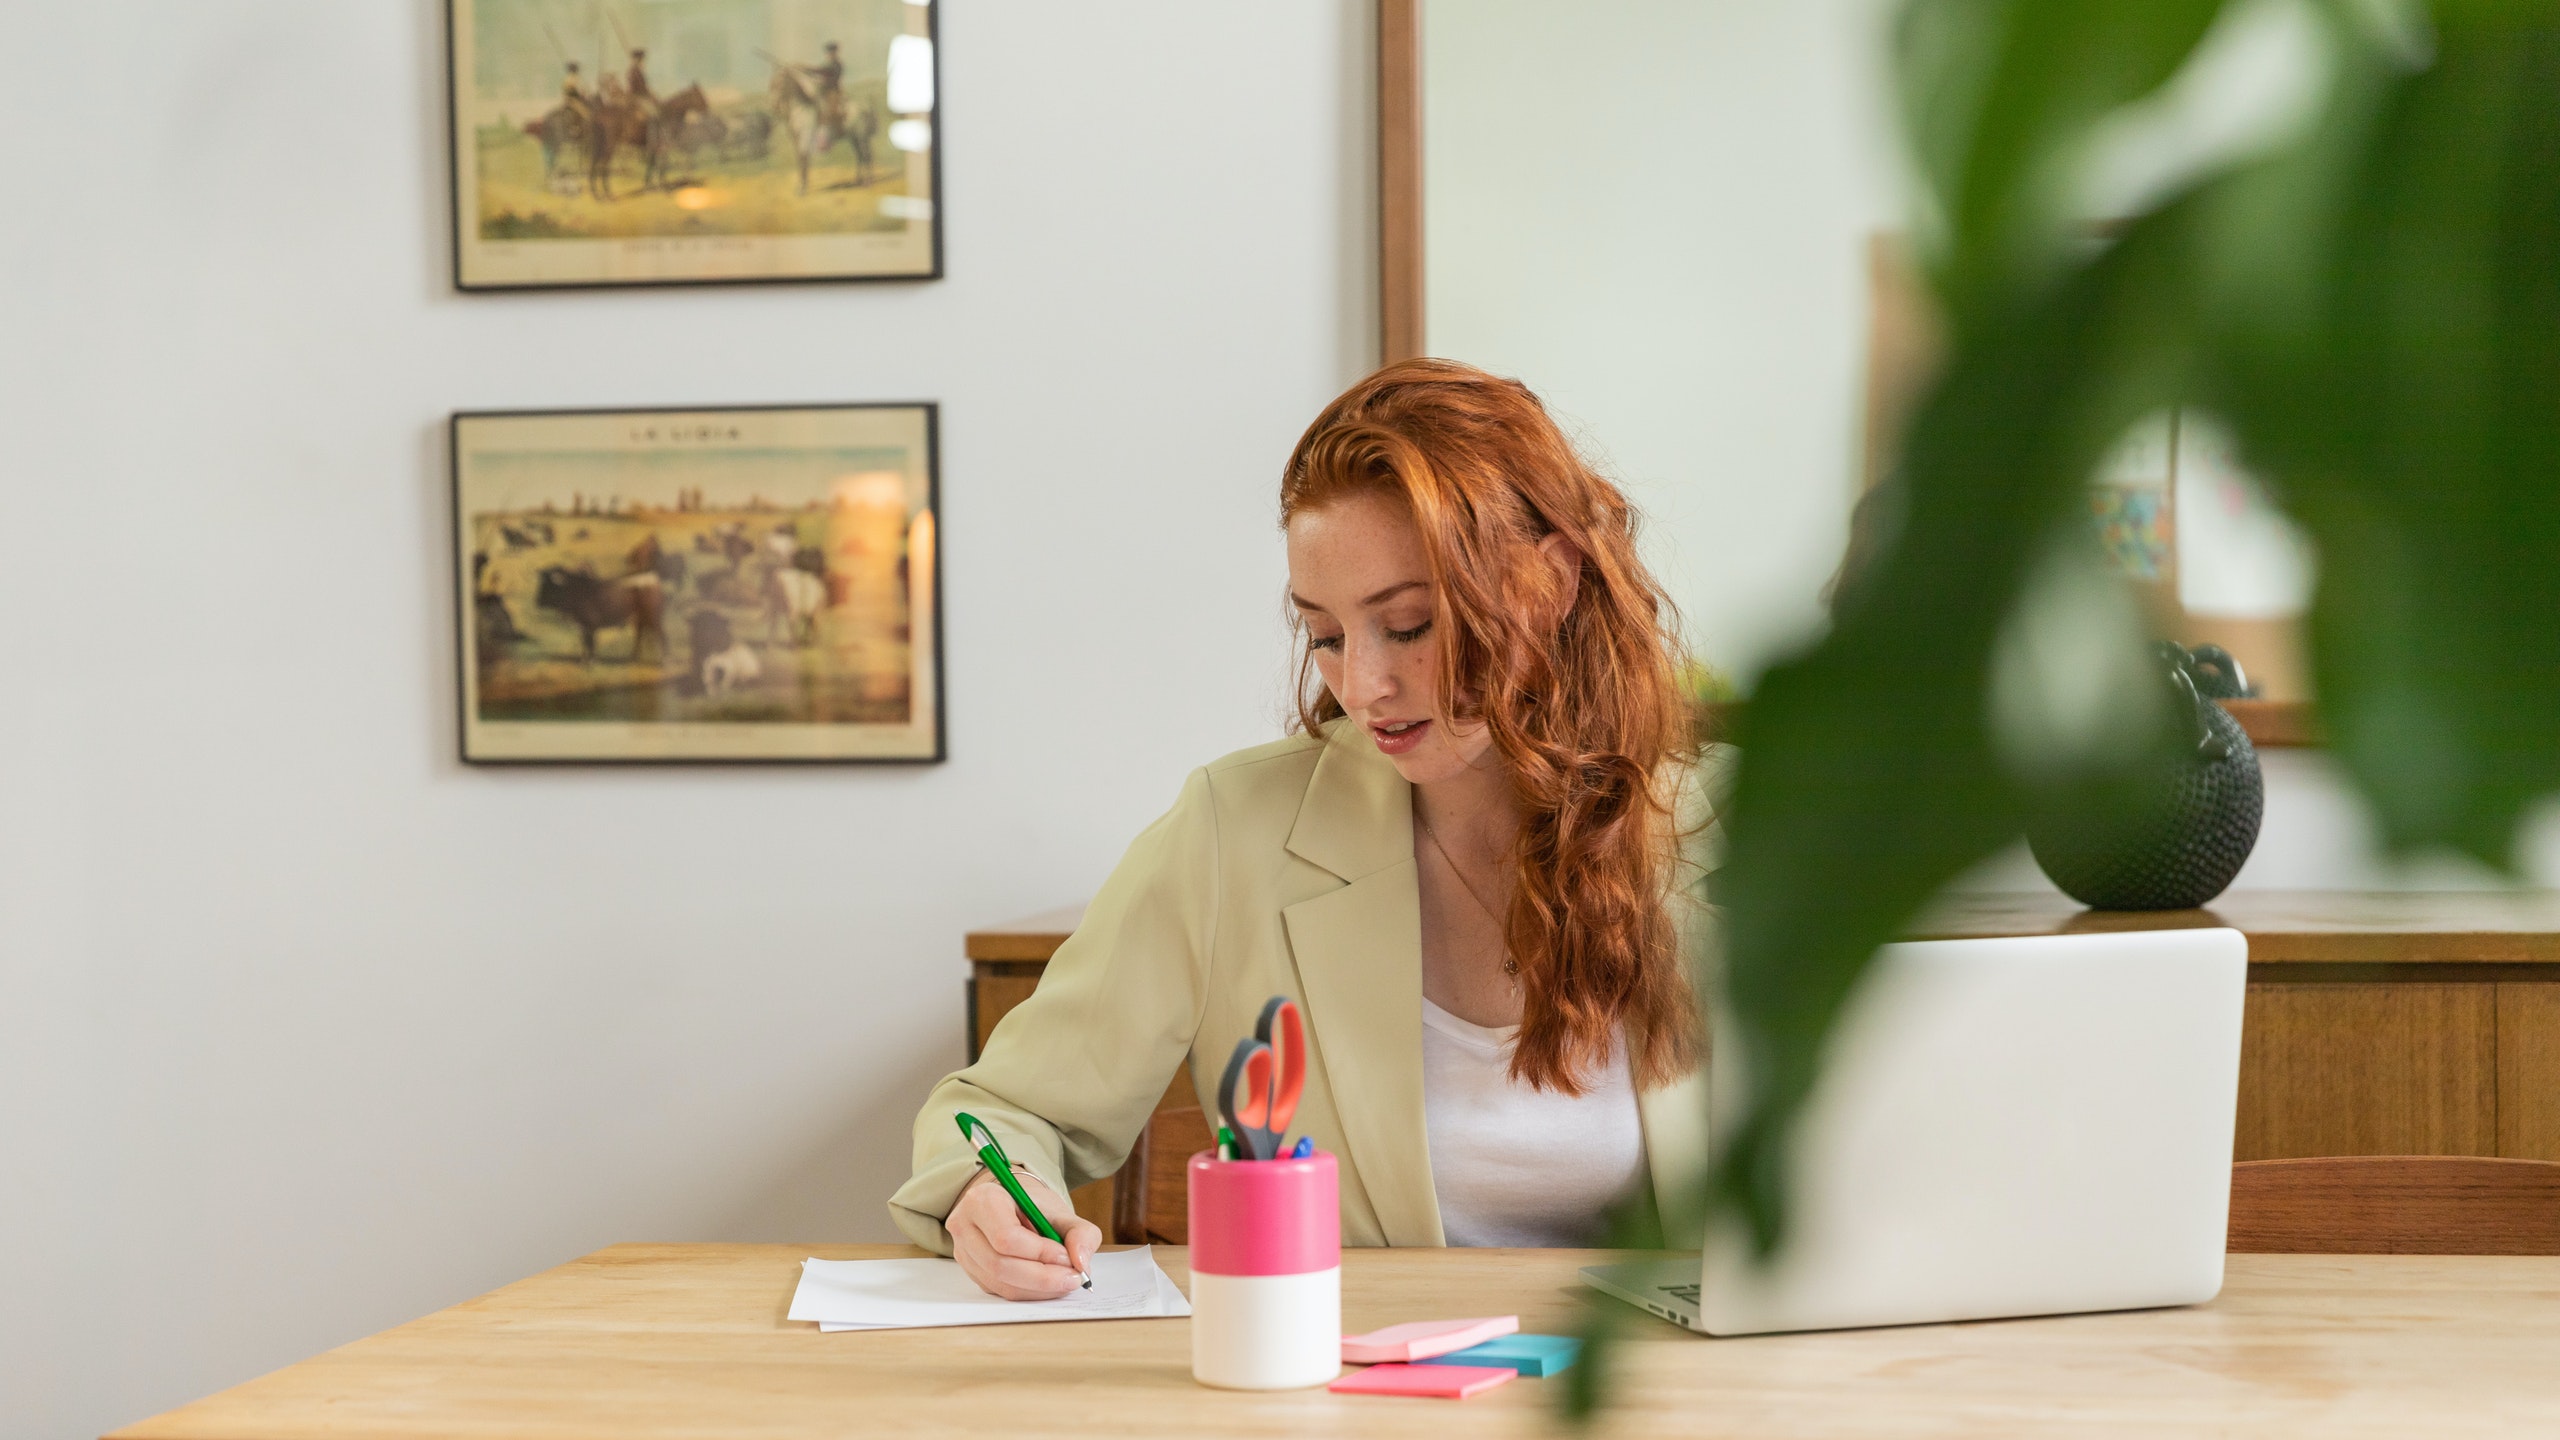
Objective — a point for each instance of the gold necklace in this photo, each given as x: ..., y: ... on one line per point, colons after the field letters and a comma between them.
x: 1510, y: 964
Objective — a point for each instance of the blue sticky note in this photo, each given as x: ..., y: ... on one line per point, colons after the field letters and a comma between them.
x: 1531, y: 1355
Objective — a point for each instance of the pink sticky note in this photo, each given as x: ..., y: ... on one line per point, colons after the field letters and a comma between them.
x: 1461, y: 1380
x: 1422, y: 1339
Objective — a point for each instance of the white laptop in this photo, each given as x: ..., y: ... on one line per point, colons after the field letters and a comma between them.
x: 2033, y: 1126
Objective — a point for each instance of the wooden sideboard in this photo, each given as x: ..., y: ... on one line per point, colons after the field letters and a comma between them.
x: 2378, y: 1023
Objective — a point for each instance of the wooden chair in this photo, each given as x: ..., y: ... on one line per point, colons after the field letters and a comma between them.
x: 1152, y: 1205
x: 2395, y: 1205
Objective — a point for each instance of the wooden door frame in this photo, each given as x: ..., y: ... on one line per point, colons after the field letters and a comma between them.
x: 1399, y: 180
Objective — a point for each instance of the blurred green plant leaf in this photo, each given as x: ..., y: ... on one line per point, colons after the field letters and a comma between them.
x: 2408, y: 410
x: 2000, y: 96
x: 2373, y: 308
x: 1871, y: 772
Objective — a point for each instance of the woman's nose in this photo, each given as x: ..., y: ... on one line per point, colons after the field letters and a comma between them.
x: 1366, y: 676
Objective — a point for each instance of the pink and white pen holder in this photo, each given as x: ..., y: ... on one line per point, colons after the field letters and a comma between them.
x: 1266, y: 1272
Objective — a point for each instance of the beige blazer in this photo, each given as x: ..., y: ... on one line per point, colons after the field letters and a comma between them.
x: 1286, y: 869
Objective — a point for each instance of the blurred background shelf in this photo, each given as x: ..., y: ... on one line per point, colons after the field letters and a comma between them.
x: 2269, y: 723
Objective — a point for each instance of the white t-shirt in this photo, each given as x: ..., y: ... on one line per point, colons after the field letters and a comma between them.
x: 1516, y: 1166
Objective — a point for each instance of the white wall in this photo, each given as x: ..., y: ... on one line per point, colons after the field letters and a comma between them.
x: 1655, y: 212
x: 305, y: 1029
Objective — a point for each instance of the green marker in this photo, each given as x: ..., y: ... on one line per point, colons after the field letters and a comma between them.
x: 975, y: 1131
x: 1226, y: 1143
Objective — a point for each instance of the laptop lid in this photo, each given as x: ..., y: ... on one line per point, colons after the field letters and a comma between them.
x: 2006, y: 1127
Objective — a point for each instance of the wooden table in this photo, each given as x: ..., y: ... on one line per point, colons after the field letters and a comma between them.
x: 643, y: 1341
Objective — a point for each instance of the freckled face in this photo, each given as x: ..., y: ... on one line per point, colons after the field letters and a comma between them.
x: 1360, y: 582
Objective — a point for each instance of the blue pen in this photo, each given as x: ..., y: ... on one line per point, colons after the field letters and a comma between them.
x: 1305, y: 1147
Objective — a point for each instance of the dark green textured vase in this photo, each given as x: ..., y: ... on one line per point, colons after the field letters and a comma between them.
x: 2185, y: 847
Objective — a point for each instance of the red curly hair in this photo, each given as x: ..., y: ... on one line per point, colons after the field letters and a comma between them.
x: 1587, y: 715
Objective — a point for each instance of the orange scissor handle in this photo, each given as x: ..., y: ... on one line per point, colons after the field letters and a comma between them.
x: 1253, y: 1104
x: 1258, y: 1096
x: 1284, y: 1029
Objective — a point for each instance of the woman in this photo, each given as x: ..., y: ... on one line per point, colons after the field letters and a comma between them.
x: 1467, y: 869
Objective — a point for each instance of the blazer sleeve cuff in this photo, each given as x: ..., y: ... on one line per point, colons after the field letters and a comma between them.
x: 919, y: 1206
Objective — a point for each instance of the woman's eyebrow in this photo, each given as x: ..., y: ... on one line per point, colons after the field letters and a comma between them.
x: 1401, y: 586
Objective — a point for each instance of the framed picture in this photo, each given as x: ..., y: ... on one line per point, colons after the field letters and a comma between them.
x: 671, y: 142
x: 744, y: 584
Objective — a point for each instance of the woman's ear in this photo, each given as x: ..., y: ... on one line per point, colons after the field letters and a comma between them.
x: 1564, y: 573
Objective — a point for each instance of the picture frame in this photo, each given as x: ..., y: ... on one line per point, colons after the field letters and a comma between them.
x: 693, y: 142
x: 719, y: 584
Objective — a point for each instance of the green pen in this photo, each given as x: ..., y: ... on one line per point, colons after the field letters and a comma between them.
x: 975, y: 1131
x: 1226, y: 1143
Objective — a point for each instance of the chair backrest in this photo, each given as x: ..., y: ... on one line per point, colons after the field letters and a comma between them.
x: 2395, y: 1205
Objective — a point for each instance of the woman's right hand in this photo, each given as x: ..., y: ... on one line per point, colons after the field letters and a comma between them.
x: 998, y: 1248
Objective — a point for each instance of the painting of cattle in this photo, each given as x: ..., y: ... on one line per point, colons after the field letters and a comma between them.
x: 655, y: 142
x: 593, y: 604
x: 744, y: 584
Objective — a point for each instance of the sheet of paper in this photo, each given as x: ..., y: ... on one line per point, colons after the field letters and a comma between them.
x: 911, y: 1294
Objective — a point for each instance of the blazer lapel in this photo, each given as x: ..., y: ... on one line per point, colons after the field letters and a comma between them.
x: 1675, y: 1147
x: 1358, y: 951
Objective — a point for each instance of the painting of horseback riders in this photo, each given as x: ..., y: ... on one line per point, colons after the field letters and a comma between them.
x: 730, y: 584
x: 639, y: 142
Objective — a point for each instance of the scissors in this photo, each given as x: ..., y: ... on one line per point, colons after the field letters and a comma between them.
x: 1259, y: 1095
